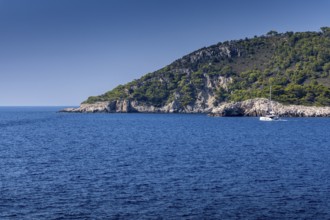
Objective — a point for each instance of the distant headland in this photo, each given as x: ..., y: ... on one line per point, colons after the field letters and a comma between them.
x: 232, y: 78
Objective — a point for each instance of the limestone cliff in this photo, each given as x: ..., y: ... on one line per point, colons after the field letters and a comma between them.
x: 251, y: 107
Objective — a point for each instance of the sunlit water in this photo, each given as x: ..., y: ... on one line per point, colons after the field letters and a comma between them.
x: 161, y: 166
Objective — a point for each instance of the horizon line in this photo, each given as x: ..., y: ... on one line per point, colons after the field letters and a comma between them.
x: 39, y: 106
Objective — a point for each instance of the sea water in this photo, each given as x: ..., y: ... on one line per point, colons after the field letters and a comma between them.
x: 161, y: 166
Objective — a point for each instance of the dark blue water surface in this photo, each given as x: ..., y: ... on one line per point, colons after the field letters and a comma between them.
x: 161, y: 166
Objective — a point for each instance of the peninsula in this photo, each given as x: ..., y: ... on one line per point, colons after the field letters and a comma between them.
x: 232, y: 78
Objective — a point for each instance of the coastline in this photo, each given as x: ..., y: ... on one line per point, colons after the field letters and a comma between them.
x: 248, y: 108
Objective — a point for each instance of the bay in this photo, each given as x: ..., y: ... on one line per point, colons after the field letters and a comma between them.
x: 161, y: 166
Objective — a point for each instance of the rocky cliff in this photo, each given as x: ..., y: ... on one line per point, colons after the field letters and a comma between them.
x: 251, y: 107
x: 127, y: 106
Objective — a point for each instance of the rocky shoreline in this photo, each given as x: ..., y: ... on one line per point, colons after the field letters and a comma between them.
x: 251, y: 107
x: 259, y: 107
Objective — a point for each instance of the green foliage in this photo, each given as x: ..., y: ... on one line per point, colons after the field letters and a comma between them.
x: 120, y: 92
x: 188, y: 94
x: 272, y: 33
x: 197, y: 79
x: 226, y: 71
x: 153, y: 92
x: 326, y: 31
x: 92, y: 99
x: 221, y: 95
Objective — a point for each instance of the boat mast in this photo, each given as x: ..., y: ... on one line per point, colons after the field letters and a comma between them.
x: 270, y: 98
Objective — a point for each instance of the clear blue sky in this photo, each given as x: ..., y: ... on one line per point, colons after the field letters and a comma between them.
x: 59, y: 52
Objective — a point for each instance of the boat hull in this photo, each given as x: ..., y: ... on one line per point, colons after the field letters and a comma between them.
x: 265, y: 118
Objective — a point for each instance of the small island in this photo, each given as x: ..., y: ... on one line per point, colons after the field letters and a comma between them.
x: 232, y: 78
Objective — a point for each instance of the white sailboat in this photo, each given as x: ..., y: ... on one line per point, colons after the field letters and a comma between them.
x: 270, y: 116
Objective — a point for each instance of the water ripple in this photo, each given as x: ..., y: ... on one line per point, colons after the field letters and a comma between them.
x: 145, y: 166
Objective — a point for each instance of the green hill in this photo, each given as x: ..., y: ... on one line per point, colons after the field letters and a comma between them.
x: 297, y: 65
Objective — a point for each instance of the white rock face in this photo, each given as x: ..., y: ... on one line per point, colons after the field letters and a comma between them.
x: 251, y: 107
x: 95, y: 107
x: 258, y: 107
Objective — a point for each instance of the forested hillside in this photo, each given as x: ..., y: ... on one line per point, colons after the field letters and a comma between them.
x: 297, y: 65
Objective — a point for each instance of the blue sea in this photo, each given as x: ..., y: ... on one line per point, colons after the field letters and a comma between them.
x: 161, y: 166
